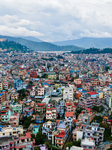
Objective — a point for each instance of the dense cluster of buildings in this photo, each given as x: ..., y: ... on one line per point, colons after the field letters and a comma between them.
x: 60, y: 91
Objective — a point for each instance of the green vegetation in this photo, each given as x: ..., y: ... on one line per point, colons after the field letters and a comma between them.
x: 50, y: 147
x: 107, y: 135
x: 39, y: 138
x: 93, y: 51
x: 41, y: 46
x: 98, y: 109
x: 26, y: 121
x: 98, y: 119
x: 78, y: 111
x: 107, y: 67
x: 74, y: 143
x: 45, y: 76
x: 37, y: 148
x: 12, y: 46
x: 22, y: 94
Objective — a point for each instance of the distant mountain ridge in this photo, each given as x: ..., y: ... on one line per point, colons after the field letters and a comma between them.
x: 41, y: 46
x: 87, y: 42
x: 8, y: 46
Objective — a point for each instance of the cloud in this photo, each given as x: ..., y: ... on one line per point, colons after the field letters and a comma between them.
x: 56, y: 20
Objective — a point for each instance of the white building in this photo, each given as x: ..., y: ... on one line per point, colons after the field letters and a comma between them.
x: 76, y: 148
x: 11, y: 131
x: 109, y: 101
x: 88, y: 144
x: 68, y: 93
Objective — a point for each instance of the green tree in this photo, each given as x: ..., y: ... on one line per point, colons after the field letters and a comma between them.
x: 77, y: 143
x: 96, y: 108
x: 69, y: 145
x: 37, y: 148
x: 39, y: 139
x: 107, y: 67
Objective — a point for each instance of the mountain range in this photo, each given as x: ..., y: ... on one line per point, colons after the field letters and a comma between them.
x: 71, y: 45
x: 40, y: 45
x: 88, y: 42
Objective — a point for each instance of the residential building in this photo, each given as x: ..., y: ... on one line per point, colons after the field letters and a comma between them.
x: 60, y: 108
x: 68, y: 93
x: 40, y: 91
x: 52, y: 76
x: 5, y: 115
x: 69, y: 118
x: 35, y: 129
x: 88, y: 144
x: 14, y: 119
x: 24, y: 142
x: 87, y: 102
x: 48, y: 128
x: 33, y: 74
x: 2, y: 97
x: 6, y: 85
x: 109, y: 101
x: 40, y: 108
x: 51, y: 113
x: 95, y: 132
x: 11, y: 131
x: 6, y: 143
x: 77, y: 133
x: 17, y: 108
x: 1, y: 86
x: 60, y: 136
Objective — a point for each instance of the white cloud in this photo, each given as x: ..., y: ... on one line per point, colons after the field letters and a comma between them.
x: 55, y: 20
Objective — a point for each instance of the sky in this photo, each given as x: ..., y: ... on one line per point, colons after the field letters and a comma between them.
x: 56, y: 20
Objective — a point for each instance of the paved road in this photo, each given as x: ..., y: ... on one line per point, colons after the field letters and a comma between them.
x: 68, y: 140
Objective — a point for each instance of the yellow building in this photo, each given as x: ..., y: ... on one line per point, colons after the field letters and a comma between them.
x: 100, y: 94
x: 52, y: 76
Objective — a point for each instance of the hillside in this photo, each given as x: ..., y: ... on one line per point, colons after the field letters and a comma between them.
x: 88, y: 42
x: 41, y: 46
x: 13, y: 46
x: 93, y: 51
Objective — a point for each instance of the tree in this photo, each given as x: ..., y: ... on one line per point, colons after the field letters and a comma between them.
x: 107, y: 67
x: 98, y: 119
x: 96, y: 108
x: 26, y: 121
x: 39, y: 139
x: 69, y: 145
x: 77, y: 143
x: 50, y: 147
x: 37, y: 148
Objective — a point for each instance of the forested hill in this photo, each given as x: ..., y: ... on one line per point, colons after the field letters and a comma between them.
x: 41, y: 46
x: 12, y: 46
x: 93, y: 51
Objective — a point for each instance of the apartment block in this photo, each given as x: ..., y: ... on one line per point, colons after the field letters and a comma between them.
x: 60, y: 136
x: 48, y: 128
x: 68, y: 93
x: 17, y: 108
x: 5, y: 115
x: 51, y: 113
x: 89, y: 102
x: 11, y: 131
x: 40, y: 108
x: 95, y: 132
